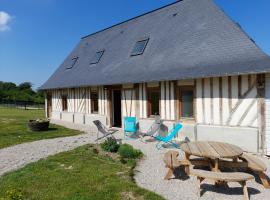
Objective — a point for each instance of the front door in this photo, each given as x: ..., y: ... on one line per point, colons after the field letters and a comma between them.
x: 116, y: 108
x: 49, y: 106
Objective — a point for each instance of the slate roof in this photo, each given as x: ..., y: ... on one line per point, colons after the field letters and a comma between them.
x: 187, y: 39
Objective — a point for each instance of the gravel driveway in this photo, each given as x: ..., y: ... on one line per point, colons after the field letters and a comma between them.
x: 150, y: 171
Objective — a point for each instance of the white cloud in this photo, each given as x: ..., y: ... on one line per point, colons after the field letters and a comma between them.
x: 5, y: 18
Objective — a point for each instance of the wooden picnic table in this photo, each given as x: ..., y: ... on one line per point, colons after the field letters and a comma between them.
x: 214, y: 151
x: 216, y: 154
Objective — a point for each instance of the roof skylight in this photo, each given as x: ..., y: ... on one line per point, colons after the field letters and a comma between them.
x: 73, y: 62
x: 96, y: 58
x: 139, y: 47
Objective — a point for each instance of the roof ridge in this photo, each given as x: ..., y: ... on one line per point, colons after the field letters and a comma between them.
x: 117, y: 24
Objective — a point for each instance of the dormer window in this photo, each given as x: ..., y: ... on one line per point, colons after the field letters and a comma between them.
x: 73, y: 62
x: 139, y: 47
x: 96, y: 58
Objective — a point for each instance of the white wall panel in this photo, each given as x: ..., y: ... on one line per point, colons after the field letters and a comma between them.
x: 216, y: 101
x: 225, y: 100
x: 199, y: 102
x: 207, y: 101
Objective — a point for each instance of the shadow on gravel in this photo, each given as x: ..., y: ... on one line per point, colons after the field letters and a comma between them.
x: 179, y: 173
x: 227, y: 190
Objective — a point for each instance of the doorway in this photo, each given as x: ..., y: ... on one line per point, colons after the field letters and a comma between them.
x: 116, y: 108
x: 49, y: 106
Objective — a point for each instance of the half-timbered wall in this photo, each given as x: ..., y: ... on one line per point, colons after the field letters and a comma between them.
x: 56, y: 100
x: 102, y: 101
x: 267, y: 114
x: 227, y: 101
x: 167, y: 100
x: 79, y: 100
x: 142, y: 101
x: 129, y: 102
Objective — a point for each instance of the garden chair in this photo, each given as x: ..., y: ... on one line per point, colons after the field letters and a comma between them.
x: 168, y: 139
x: 154, y: 129
x: 104, y: 131
x: 130, y: 127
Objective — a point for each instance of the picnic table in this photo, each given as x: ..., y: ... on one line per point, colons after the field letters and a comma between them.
x: 219, y: 154
x: 214, y: 151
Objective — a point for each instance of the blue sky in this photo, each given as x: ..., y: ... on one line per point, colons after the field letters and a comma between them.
x: 37, y: 35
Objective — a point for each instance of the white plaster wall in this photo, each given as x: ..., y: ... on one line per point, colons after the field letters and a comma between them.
x: 246, y: 138
x: 56, y: 115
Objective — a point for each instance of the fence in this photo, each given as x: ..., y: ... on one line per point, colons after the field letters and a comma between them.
x: 26, y: 105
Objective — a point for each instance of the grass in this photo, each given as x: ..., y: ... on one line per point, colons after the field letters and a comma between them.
x: 14, y: 130
x: 80, y: 174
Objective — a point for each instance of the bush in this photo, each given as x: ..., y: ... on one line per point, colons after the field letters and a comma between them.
x: 126, y: 151
x: 14, y: 195
x: 110, y: 145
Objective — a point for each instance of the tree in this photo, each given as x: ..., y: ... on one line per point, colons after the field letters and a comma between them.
x: 23, y: 92
x: 25, y: 86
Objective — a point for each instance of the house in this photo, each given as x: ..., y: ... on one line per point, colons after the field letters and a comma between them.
x: 186, y: 62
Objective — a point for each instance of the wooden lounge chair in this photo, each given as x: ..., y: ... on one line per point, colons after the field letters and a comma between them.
x: 257, y: 165
x: 239, y: 177
x: 104, y: 131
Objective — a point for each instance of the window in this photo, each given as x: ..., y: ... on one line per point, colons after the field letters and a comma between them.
x: 187, y: 102
x: 94, y: 102
x: 153, y: 101
x: 73, y: 62
x: 97, y: 57
x: 139, y: 47
x: 64, y: 103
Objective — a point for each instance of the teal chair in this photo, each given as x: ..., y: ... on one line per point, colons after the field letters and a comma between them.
x: 168, y: 139
x: 130, y: 127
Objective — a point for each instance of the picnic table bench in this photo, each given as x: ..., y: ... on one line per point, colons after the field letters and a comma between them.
x: 239, y: 177
x: 257, y: 165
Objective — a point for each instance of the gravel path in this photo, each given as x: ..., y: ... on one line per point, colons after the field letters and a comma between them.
x: 149, y: 171
x: 17, y: 156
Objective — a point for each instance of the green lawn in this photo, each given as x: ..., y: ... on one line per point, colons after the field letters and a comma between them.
x: 14, y: 130
x: 80, y: 174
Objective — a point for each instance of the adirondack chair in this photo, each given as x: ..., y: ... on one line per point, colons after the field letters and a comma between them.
x: 130, y: 127
x: 168, y: 139
x: 104, y: 131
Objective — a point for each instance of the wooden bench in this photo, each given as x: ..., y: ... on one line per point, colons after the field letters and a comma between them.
x: 256, y: 164
x: 239, y: 177
x: 171, y: 162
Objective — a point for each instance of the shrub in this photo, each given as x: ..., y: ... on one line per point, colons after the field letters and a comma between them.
x: 126, y: 151
x: 110, y: 145
x: 14, y: 194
